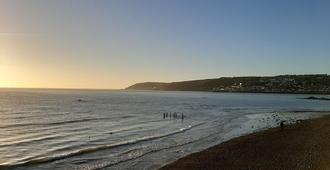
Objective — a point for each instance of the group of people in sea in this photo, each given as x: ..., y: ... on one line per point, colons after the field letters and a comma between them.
x: 173, y: 115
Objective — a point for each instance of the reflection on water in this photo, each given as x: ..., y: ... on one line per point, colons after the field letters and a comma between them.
x: 63, y: 129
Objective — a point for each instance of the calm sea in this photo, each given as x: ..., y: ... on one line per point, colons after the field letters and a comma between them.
x: 77, y: 129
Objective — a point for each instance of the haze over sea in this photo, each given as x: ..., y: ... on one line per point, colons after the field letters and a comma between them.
x: 86, y: 129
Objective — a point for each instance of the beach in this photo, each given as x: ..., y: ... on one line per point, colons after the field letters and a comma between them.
x: 304, y: 145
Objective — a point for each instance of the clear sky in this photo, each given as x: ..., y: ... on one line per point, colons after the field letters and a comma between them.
x: 116, y: 43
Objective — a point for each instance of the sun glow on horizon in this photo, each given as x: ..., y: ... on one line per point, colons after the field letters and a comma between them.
x: 114, y: 44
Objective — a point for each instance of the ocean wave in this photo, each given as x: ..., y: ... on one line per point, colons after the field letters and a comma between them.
x: 30, y: 117
x: 38, y: 160
x: 53, y: 123
x: 124, y: 129
x: 32, y: 140
x: 59, y: 123
x: 135, y: 154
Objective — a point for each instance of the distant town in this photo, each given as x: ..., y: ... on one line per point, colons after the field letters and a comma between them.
x: 304, y: 84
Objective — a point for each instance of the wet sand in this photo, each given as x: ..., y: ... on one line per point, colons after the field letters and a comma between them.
x: 305, y: 145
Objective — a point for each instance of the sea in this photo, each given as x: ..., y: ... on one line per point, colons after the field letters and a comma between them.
x: 123, y: 129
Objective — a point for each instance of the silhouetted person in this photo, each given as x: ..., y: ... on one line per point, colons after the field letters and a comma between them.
x: 163, y: 115
x: 282, y: 124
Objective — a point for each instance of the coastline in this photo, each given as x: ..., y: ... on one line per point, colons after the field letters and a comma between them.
x: 304, y: 145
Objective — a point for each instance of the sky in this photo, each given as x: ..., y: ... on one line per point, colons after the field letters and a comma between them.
x: 112, y: 44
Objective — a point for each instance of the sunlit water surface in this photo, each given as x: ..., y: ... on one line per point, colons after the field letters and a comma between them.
x: 72, y: 129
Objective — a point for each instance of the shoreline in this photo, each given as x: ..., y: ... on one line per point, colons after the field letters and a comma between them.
x: 242, y: 92
x: 304, y: 145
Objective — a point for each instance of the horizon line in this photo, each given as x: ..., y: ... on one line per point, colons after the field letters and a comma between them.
x: 108, y: 89
x: 60, y: 88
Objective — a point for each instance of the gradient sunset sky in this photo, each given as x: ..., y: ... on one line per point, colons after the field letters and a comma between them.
x: 116, y: 43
